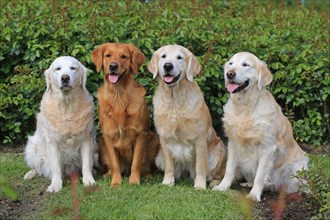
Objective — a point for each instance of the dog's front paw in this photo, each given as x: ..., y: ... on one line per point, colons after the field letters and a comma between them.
x: 116, y: 181
x: 168, y: 180
x: 200, y: 184
x: 55, y: 186
x: 223, y: 186
x: 88, y: 181
x: 134, y: 179
x: 253, y: 197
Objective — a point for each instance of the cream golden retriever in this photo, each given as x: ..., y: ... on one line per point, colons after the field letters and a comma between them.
x: 261, y: 144
x: 128, y: 146
x: 64, y: 139
x: 188, y: 140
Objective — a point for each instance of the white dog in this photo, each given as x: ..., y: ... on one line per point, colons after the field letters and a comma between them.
x: 183, y: 121
x: 64, y: 139
x: 261, y: 144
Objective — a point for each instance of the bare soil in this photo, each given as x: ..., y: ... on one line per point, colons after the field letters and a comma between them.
x: 29, y: 199
x: 23, y: 207
x: 294, y: 206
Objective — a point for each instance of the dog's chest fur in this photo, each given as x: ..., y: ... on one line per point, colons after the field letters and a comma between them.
x: 68, y: 117
x: 249, y: 127
x: 176, y: 113
x: 176, y: 116
x: 174, y: 126
x: 123, y: 110
x: 249, y: 122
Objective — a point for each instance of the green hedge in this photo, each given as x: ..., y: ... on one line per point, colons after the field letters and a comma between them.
x: 294, y: 41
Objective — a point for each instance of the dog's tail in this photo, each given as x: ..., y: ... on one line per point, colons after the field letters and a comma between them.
x: 102, y: 157
x: 152, y: 150
x: 216, y: 161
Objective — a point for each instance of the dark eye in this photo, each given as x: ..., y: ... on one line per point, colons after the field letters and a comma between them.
x: 230, y: 63
x: 58, y: 68
x: 108, y: 55
x: 73, y: 68
x: 245, y: 64
x: 163, y: 56
x: 179, y: 57
x: 123, y: 56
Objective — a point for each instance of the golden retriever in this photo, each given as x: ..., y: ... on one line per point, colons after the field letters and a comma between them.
x: 64, y: 139
x: 188, y: 140
x: 261, y: 144
x: 128, y: 145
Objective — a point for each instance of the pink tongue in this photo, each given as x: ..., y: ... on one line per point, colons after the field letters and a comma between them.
x: 232, y: 86
x: 168, y: 78
x: 113, y: 78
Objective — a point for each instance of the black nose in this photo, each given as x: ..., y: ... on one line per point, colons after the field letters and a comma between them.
x: 231, y: 74
x: 168, y: 67
x: 113, y: 66
x: 65, y: 78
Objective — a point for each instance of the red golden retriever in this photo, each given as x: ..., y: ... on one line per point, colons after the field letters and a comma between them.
x: 128, y: 146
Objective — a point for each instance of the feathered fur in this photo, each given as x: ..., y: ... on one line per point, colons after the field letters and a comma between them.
x: 261, y: 144
x: 182, y: 119
x: 64, y: 139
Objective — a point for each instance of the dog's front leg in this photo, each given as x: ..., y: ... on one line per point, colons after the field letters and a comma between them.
x: 139, y: 150
x: 86, y: 151
x: 264, y: 165
x: 169, y: 163
x: 114, y: 163
x: 230, y: 169
x: 201, y: 163
x: 54, y: 158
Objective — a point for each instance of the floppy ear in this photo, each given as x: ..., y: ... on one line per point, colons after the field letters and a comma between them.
x: 194, y: 67
x: 83, y: 72
x: 47, y: 77
x: 137, y: 57
x: 97, y: 57
x: 152, y: 66
x: 265, y: 76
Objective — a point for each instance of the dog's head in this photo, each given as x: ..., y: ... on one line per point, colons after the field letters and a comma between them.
x: 244, y: 71
x: 173, y: 63
x: 117, y: 60
x: 65, y: 74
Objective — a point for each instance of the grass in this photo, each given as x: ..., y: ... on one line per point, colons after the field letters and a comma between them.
x: 150, y: 200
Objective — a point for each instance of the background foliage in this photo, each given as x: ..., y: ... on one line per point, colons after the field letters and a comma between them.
x: 292, y: 40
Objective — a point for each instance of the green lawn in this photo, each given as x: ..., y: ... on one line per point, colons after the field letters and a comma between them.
x: 150, y: 200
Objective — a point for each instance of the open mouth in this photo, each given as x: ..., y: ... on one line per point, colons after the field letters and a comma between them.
x: 233, y: 87
x: 169, y: 79
x: 114, y: 77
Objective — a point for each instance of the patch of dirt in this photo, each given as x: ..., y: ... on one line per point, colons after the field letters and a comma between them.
x: 280, y: 206
x: 18, y: 209
x: 30, y: 194
x: 11, y: 149
x: 23, y: 207
x: 321, y: 150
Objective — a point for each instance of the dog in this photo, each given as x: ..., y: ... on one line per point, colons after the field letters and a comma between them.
x: 182, y: 119
x: 128, y: 145
x: 64, y: 140
x: 261, y: 143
